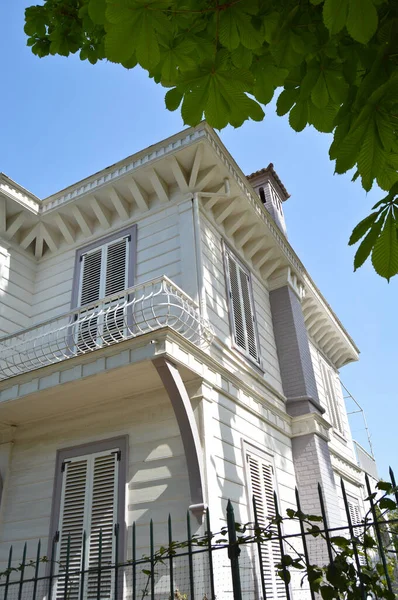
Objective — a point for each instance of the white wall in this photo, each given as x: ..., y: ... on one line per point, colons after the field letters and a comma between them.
x: 217, y: 305
x: 157, y: 471
x: 17, y: 275
x: 158, y: 253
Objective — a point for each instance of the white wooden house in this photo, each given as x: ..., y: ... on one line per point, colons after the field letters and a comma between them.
x: 163, y: 348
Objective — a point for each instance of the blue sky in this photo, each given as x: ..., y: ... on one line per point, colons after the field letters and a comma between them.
x: 62, y: 120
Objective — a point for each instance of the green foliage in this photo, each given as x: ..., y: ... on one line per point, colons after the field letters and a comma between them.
x: 336, y: 61
x: 380, y: 236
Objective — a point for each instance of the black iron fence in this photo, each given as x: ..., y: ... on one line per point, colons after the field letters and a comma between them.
x: 238, y: 562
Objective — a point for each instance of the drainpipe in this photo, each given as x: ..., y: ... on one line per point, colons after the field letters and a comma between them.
x: 198, y: 255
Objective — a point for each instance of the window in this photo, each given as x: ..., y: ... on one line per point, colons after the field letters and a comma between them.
x: 241, y: 305
x: 103, y: 269
x: 261, y: 481
x: 88, y: 502
x: 332, y: 404
x: 356, y: 519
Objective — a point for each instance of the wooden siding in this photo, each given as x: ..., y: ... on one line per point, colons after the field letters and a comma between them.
x: 157, y: 471
x: 217, y: 304
x: 17, y: 275
x: 158, y: 253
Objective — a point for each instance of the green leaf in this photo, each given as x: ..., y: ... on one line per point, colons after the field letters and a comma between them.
x: 298, y: 116
x: 323, y: 119
x: 387, y: 503
x: 371, y: 156
x: 96, y: 10
x: 362, y: 20
x: 286, y: 100
x: 119, y: 42
x: 340, y: 541
x: 228, y: 29
x: 362, y: 227
x: 173, y: 98
x: 385, y: 251
x: 320, y: 93
x: 366, y: 246
x: 328, y: 593
x: 335, y: 15
x: 386, y: 486
x: 337, y: 86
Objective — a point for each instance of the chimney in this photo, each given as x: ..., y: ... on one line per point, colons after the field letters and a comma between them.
x: 272, y: 193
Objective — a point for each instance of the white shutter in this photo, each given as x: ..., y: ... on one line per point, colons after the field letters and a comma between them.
x: 262, y: 486
x: 356, y: 518
x: 330, y: 393
x: 241, y: 305
x: 88, y: 504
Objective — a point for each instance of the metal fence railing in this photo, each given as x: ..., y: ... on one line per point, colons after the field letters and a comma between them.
x: 135, y: 311
x: 233, y: 564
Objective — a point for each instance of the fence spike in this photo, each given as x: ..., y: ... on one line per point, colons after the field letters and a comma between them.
x: 280, y: 537
x: 99, y: 565
x: 52, y: 563
x: 83, y: 566
x: 210, y: 552
x: 152, y: 560
x: 36, y: 570
x: 260, y: 554
x: 21, y: 581
x: 8, y: 573
x: 326, y: 526
x: 233, y: 552
x: 303, y: 537
x: 67, y: 568
x: 171, y: 557
x: 116, y: 583
x: 378, y: 534
x: 133, y: 556
x: 190, y: 557
x: 354, y: 543
x: 392, y: 477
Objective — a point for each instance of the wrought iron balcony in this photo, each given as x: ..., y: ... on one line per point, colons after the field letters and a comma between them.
x: 138, y: 310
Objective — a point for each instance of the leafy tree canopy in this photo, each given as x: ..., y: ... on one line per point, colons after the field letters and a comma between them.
x: 333, y: 63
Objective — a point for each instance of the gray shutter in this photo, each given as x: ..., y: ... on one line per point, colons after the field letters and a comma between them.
x: 88, y: 504
x: 116, y: 281
x: 90, y: 277
x: 72, y: 523
x: 242, y: 310
x: 116, y: 267
x: 356, y: 519
x: 262, y: 487
x: 90, y: 291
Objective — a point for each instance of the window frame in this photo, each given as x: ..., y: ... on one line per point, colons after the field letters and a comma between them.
x: 332, y: 401
x: 121, y: 443
x: 130, y: 231
x: 226, y: 249
x: 266, y: 456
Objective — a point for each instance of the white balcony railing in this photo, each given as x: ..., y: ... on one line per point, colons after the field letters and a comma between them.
x: 136, y: 311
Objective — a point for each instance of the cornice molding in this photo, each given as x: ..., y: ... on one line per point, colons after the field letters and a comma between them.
x: 311, y: 423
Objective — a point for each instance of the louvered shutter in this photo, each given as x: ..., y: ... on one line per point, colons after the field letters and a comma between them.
x: 104, y: 272
x: 262, y: 486
x: 115, y: 281
x: 355, y: 515
x: 88, y: 504
x: 332, y: 405
x: 241, y: 305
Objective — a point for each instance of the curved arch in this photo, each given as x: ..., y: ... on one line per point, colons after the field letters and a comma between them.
x: 181, y: 403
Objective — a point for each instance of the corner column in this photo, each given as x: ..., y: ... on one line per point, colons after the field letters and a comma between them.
x: 310, y: 436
